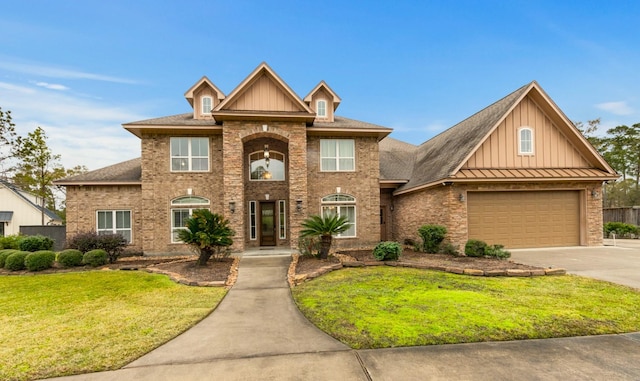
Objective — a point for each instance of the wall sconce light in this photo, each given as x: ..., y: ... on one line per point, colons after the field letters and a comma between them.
x: 392, y: 207
x: 232, y: 206
x: 461, y: 197
x: 298, y: 205
x: 594, y: 193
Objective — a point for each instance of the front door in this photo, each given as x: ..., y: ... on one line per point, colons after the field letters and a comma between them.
x: 267, y: 224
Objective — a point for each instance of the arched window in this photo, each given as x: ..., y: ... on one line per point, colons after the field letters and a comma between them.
x: 525, y: 141
x: 342, y: 205
x: 321, y: 108
x: 266, y: 165
x: 181, y: 209
x: 207, y: 105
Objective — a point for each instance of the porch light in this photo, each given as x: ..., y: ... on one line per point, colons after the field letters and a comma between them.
x: 461, y: 197
x: 594, y: 193
x: 298, y: 205
x: 232, y: 206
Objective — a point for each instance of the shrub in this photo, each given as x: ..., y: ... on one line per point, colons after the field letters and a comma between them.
x: 387, y: 251
x: 84, y: 241
x: 475, y: 248
x: 70, y: 258
x: 620, y: 228
x: 4, y: 254
x: 449, y: 249
x: 496, y: 251
x: 432, y: 236
x: 15, y: 261
x: 309, y: 246
x: 113, y: 244
x: 36, y: 243
x: 39, y: 260
x: 10, y: 242
x: 95, y: 258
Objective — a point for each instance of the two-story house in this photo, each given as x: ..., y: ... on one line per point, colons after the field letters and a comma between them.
x: 517, y: 173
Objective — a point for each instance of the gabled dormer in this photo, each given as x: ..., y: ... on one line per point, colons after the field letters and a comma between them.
x: 204, y: 96
x: 323, y: 101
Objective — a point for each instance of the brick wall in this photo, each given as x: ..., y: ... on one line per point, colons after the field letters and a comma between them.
x: 84, y: 201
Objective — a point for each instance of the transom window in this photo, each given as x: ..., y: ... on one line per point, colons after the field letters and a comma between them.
x: 184, y: 209
x: 265, y: 168
x: 337, y: 155
x: 321, y: 108
x: 342, y: 205
x: 189, y: 154
x: 115, y: 222
x: 207, y: 103
x: 525, y: 144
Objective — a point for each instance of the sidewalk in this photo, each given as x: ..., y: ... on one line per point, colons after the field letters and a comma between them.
x: 257, y: 333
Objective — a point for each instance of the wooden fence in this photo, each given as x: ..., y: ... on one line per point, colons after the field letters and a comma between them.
x: 628, y: 215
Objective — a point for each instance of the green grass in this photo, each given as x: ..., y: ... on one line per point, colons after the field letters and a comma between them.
x: 383, y: 307
x: 61, y: 324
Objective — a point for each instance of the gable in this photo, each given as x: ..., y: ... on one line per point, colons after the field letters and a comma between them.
x: 264, y: 94
x: 551, y: 148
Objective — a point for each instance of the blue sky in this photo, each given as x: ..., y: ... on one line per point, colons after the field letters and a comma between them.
x: 80, y: 69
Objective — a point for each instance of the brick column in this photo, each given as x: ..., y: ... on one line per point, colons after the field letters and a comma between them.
x: 297, y: 181
x: 232, y: 169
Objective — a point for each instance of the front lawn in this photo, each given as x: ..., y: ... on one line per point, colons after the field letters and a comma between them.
x: 69, y: 323
x: 381, y: 307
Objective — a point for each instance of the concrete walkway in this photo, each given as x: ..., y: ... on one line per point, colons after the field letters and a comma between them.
x: 257, y: 333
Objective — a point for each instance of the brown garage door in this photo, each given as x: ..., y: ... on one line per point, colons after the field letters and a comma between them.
x: 525, y: 219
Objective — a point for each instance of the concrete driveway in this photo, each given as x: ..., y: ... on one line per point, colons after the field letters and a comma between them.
x: 618, y: 264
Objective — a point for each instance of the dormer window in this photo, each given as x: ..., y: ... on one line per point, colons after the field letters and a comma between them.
x: 525, y: 141
x: 321, y: 108
x: 207, y: 105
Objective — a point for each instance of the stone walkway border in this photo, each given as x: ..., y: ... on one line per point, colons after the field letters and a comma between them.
x: 231, y: 279
x: 296, y: 279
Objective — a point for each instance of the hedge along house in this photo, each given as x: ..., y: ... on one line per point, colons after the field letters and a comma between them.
x: 517, y: 173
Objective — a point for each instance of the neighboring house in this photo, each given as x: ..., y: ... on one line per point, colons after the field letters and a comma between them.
x: 517, y: 173
x: 21, y: 208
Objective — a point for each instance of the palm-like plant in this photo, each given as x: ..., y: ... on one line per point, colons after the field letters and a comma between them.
x: 208, y: 233
x: 325, y: 227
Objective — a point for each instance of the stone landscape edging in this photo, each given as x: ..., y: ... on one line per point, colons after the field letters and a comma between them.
x: 231, y: 279
x: 296, y: 279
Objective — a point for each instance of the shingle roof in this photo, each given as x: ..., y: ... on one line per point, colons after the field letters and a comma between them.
x: 129, y: 171
x: 175, y: 120
x: 438, y: 157
x: 340, y: 122
x: 396, y: 159
x: 20, y: 193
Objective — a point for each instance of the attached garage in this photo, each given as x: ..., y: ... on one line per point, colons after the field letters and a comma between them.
x: 519, y: 219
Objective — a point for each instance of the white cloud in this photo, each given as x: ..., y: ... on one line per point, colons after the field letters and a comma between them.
x: 616, y: 108
x: 52, y: 86
x: 56, y: 72
x: 83, y: 131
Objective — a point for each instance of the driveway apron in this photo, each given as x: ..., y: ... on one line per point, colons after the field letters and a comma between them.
x: 257, y: 318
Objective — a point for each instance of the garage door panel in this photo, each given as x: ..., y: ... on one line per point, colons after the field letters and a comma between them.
x: 525, y: 219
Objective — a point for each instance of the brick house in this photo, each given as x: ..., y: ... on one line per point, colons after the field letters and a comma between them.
x: 517, y: 173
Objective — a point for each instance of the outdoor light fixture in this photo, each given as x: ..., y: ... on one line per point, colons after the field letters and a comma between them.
x: 461, y: 197
x: 266, y: 155
x: 594, y: 193
x: 298, y: 205
x: 232, y: 206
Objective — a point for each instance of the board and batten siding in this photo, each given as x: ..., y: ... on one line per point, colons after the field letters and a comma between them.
x: 264, y: 95
x: 551, y: 148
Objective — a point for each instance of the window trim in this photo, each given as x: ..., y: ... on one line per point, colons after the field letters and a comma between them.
x: 338, y: 157
x: 189, y: 156
x: 114, y: 229
x: 348, y: 201
x: 522, y: 130
x: 324, y: 103
x: 202, y: 109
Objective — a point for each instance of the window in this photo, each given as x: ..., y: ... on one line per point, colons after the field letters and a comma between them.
x: 342, y: 205
x: 206, y: 105
x: 186, y: 206
x: 282, y: 222
x: 115, y: 222
x: 263, y: 167
x: 253, y: 235
x: 189, y: 154
x: 525, y: 144
x: 321, y: 108
x: 337, y: 155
